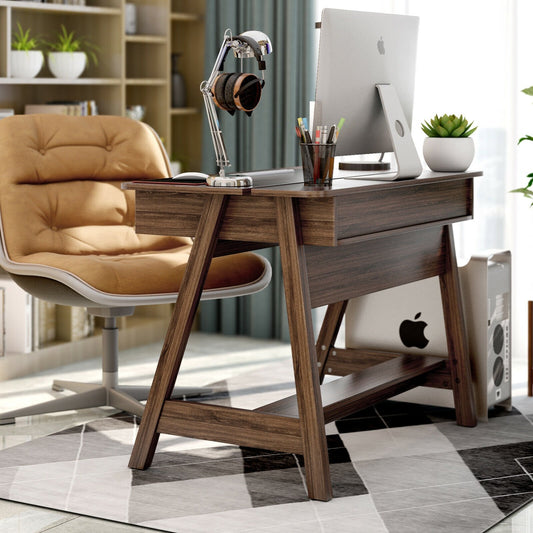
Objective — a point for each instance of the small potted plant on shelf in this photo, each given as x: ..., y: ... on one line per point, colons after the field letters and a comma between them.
x: 527, y: 191
x: 69, y: 55
x: 448, y: 146
x: 26, y: 60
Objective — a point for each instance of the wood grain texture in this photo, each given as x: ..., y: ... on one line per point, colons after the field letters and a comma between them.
x: 231, y: 425
x: 344, y: 361
x: 327, y: 218
x: 343, y: 272
x: 354, y: 392
x: 454, y: 321
x: 178, y: 330
x: 401, y: 208
x: 325, y: 343
x: 303, y: 351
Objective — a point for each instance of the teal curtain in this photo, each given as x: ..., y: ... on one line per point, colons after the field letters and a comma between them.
x: 265, y: 140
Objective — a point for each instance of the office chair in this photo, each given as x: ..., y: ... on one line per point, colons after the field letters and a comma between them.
x: 67, y: 236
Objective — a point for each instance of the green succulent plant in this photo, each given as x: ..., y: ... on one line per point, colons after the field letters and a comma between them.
x: 67, y: 42
x: 448, y: 126
x: 527, y: 191
x: 22, y: 40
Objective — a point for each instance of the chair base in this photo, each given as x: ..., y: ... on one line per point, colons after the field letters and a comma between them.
x: 106, y: 394
x: 87, y: 395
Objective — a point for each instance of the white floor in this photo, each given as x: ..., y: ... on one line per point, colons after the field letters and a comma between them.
x: 209, y: 358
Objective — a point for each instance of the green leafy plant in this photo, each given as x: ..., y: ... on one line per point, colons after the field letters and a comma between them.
x: 22, y: 40
x: 527, y: 191
x: 68, y: 42
x: 448, y: 126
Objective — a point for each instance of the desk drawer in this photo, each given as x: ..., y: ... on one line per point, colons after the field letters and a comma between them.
x: 367, y: 212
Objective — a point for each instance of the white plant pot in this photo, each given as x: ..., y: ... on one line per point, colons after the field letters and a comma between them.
x: 69, y: 65
x: 447, y: 154
x: 26, y: 63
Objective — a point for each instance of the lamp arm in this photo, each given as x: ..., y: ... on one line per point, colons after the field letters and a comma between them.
x: 212, y: 118
x: 214, y: 128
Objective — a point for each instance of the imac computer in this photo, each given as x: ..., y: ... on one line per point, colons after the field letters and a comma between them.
x: 366, y: 75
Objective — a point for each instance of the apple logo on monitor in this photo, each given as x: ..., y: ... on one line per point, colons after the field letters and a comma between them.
x: 412, y: 333
x: 381, y: 46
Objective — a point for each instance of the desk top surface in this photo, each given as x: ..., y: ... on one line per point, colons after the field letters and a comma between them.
x: 289, y: 182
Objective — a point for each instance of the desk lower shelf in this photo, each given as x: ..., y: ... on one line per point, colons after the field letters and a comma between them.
x: 362, y: 389
x: 276, y: 426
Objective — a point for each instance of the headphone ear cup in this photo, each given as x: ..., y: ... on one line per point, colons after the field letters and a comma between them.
x: 247, y: 92
x: 218, y: 92
x: 229, y: 92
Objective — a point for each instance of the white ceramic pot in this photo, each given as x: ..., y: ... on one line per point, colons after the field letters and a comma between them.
x: 448, y: 154
x: 69, y: 65
x: 26, y: 63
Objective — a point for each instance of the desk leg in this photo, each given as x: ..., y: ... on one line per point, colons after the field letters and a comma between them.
x: 328, y: 334
x: 454, y: 320
x: 304, y: 358
x: 178, y: 330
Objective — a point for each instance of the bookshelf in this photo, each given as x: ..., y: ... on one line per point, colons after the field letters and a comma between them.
x: 133, y: 69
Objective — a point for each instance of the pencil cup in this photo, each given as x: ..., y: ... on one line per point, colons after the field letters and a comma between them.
x: 317, y: 163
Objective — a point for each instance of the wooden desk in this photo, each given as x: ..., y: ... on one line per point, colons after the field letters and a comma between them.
x: 339, y: 243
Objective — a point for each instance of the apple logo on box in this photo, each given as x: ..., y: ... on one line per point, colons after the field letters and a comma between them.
x: 381, y: 46
x: 412, y: 333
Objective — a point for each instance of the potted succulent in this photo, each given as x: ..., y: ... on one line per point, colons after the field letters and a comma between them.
x: 527, y: 191
x: 68, y: 55
x: 26, y: 60
x: 448, y: 146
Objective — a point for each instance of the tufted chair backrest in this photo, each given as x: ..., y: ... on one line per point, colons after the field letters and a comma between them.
x: 60, y: 180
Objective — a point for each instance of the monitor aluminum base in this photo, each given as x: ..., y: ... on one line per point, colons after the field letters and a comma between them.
x: 407, y: 160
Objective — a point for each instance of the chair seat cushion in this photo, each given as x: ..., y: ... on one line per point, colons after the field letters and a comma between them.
x: 156, y: 272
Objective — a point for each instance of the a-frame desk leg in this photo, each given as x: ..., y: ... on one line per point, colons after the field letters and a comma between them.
x: 304, y: 358
x: 463, y: 394
x: 179, y: 330
x: 328, y: 334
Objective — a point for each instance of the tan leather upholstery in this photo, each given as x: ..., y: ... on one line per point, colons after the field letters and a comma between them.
x: 61, y: 205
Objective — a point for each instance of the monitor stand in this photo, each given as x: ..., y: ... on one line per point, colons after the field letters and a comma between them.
x: 407, y: 160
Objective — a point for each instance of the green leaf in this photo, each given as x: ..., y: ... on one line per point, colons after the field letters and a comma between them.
x: 467, y: 133
x: 458, y: 132
x: 528, y: 91
x: 525, y: 138
x: 525, y: 191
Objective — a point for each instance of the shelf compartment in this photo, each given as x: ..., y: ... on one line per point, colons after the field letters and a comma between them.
x: 60, y: 81
x: 59, y: 8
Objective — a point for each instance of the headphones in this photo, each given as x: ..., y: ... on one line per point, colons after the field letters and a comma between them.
x: 239, y: 91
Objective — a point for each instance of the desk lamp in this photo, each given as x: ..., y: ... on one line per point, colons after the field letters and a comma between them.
x: 233, y: 92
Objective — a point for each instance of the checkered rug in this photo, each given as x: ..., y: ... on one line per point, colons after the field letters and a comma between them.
x: 396, y: 467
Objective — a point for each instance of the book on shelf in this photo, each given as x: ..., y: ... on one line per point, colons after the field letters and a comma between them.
x: 74, y: 108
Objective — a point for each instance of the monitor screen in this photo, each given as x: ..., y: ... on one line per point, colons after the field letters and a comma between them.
x: 358, y: 50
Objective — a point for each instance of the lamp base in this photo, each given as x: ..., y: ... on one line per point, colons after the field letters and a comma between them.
x: 236, y: 180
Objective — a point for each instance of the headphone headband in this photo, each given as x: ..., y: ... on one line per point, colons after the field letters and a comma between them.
x: 255, y: 48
